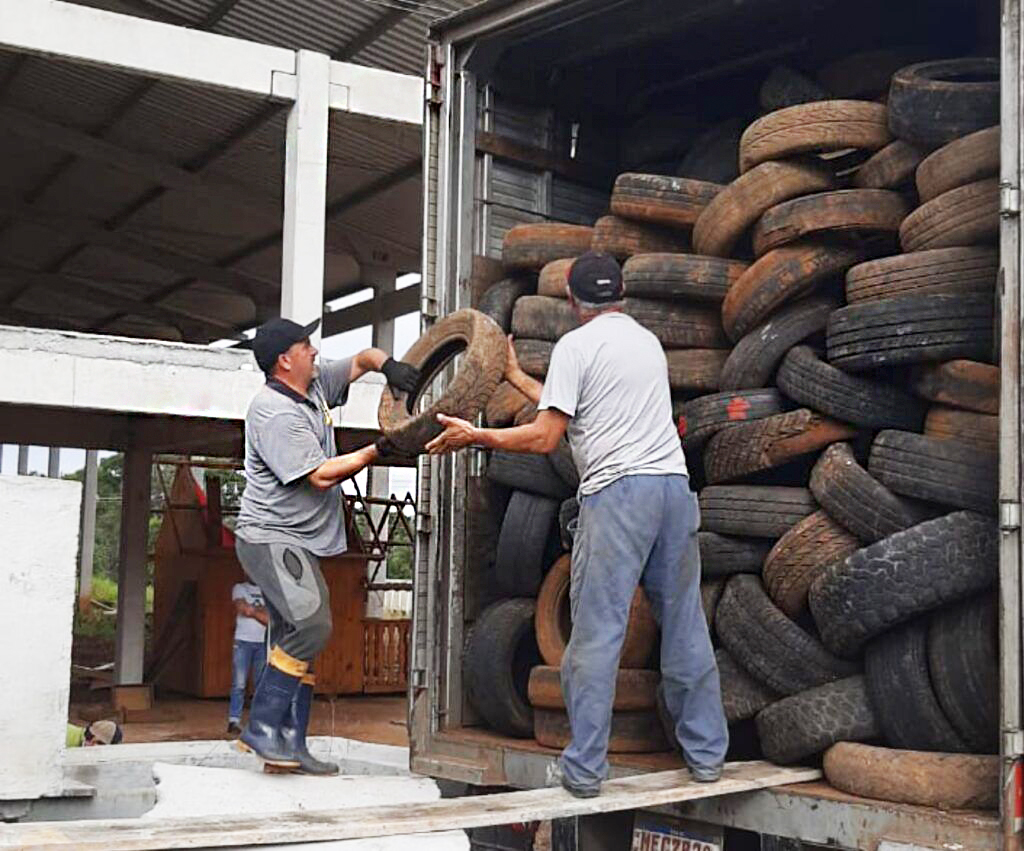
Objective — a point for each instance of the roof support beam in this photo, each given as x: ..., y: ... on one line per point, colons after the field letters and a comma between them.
x: 386, y: 306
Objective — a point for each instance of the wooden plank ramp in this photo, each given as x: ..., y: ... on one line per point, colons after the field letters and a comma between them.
x: 642, y: 790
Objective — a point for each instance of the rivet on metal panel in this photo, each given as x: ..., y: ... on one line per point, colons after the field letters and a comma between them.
x: 1009, y: 515
x: 1009, y: 199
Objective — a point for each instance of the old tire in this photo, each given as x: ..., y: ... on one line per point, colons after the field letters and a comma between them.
x: 756, y: 511
x: 945, y: 471
x: 724, y: 555
x: 965, y: 216
x: 632, y: 732
x: 742, y: 695
x: 769, y: 645
x: 826, y: 214
x: 634, y: 689
x: 534, y: 356
x: 799, y: 556
x: 672, y: 201
x: 499, y: 654
x: 741, y: 203
x: 623, y: 238
x: 806, y: 724
x: 710, y: 594
x: 701, y: 418
x: 532, y: 246
x: 527, y: 472
x: 821, y: 127
x: 938, y: 271
x: 503, y: 405
x: 887, y: 583
x: 680, y: 276
x: 782, y: 275
x: 865, y: 402
x: 963, y: 384
x: 941, y: 780
x: 981, y: 430
x: 966, y: 160
x: 484, y: 352
x: 754, y: 359
x: 568, y: 515
x: 554, y: 278
x: 524, y: 544
x: 539, y: 317
x: 892, y: 167
x: 932, y: 103
x: 963, y: 661
x: 910, y: 329
x: 896, y: 668
x: 770, y: 442
x: 499, y: 299
x: 695, y: 370
x: 856, y: 500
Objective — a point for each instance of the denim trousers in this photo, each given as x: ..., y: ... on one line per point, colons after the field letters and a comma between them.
x: 246, y: 655
x: 639, y: 530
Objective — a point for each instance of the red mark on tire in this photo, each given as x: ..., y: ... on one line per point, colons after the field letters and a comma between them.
x: 682, y: 426
x: 737, y: 408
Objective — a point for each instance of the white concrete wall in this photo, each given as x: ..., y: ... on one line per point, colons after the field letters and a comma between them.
x: 39, y: 540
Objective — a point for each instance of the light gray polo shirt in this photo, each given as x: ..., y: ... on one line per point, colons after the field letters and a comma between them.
x: 611, y: 377
x: 287, y: 436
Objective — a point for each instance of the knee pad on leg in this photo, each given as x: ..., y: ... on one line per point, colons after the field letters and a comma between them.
x: 309, y: 639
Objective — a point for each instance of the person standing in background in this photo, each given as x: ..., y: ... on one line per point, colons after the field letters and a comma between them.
x: 250, y: 649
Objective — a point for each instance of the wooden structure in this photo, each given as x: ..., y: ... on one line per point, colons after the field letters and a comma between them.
x: 194, y: 618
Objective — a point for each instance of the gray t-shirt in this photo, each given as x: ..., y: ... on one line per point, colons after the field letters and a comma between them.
x: 611, y: 377
x: 246, y: 628
x: 287, y: 437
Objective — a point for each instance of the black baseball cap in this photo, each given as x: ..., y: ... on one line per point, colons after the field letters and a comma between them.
x: 596, y: 278
x: 275, y: 337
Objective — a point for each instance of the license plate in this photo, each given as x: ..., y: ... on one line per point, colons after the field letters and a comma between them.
x: 652, y: 832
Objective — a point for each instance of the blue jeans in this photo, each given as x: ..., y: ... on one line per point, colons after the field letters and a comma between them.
x: 639, y: 529
x: 246, y: 655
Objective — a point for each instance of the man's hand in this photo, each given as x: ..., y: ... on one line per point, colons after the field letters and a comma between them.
x: 401, y: 376
x: 457, y: 434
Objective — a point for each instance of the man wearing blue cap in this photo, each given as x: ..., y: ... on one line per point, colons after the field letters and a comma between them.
x: 291, y: 516
x: 607, y: 389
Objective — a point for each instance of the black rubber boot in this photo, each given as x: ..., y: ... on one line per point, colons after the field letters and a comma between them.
x: 293, y: 731
x: 270, y: 707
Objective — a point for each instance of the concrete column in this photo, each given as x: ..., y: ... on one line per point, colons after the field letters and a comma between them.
x: 53, y: 463
x: 305, y: 192
x: 22, y: 460
x: 130, y: 639
x: 87, y: 537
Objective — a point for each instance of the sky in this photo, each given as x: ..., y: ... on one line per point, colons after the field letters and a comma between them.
x: 338, y: 346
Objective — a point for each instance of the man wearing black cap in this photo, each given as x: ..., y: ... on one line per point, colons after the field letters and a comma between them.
x: 291, y: 515
x: 607, y: 388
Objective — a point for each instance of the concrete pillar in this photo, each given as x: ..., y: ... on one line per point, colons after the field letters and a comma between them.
x: 22, y: 460
x: 305, y: 192
x: 130, y: 639
x: 87, y: 536
x: 53, y: 462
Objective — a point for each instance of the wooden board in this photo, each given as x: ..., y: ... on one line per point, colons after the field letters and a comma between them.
x: 643, y: 790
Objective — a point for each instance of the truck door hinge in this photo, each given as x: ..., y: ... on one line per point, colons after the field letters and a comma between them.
x: 1009, y: 515
x: 418, y: 678
x: 1009, y: 200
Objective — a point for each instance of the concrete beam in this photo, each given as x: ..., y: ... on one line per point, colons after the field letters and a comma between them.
x: 87, y: 537
x: 53, y: 462
x: 22, y: 460
x: 130, y: 637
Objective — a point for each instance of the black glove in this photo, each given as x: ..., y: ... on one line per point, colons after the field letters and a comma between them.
x: 385, y: 447
x: 400, y: 375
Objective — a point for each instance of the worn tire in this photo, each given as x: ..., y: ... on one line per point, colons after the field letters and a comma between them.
x: 701, y: 418
x: 523, y: 544
x: 867, y: 73
x: 806, y: 724
x: 981, y: 430
x: 742, y: 695
x: 623, y: 238
x: 634, y: 689
x: 631, y: 732
x: 500, y: 652
x: 539, y: 317
x: 896, y: 668
x: 754, y: 359
x: 499, y: 299
x: 695, y: 370
x: 949, y: 472
x: 941, y: 780
x: 568, y: 513
x: 554, y: 621
x: 710, y: 593
x: 484, y: 352
x: 769, y: 645
x: 887, y: 583
x: 532, y: 246
x: 534, y: 356
x: 868, y: 403
x: 965, y: 216
x: 821, y: 127
x: 929, y: 106
x: 966, y: 160
x: 963, y: 660
x: 938, y: 271
x: 715, y: 154
x: 961, y: 383
x: 503, y: 406
x: 828, y: 214
x: 782, y: 275
x: 770, y: 442
x: 891, y: 167
x: 680, y: 276
x: 910, y: 329
x: 856, y: 500
x: 554, y: 278
x: 724, y: 555
x: 527, y: 472
x: 756, y: 511
x: 735, y: 209
x: 671, y: 201
x: 800, y: 555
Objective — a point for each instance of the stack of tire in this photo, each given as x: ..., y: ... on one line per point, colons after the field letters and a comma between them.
x: 849, y: 462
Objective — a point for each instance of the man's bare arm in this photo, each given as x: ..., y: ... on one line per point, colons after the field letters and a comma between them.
x: 529, y: 386
x: 368, y: 360
x: 333, y: 470
x: 539, y: 437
